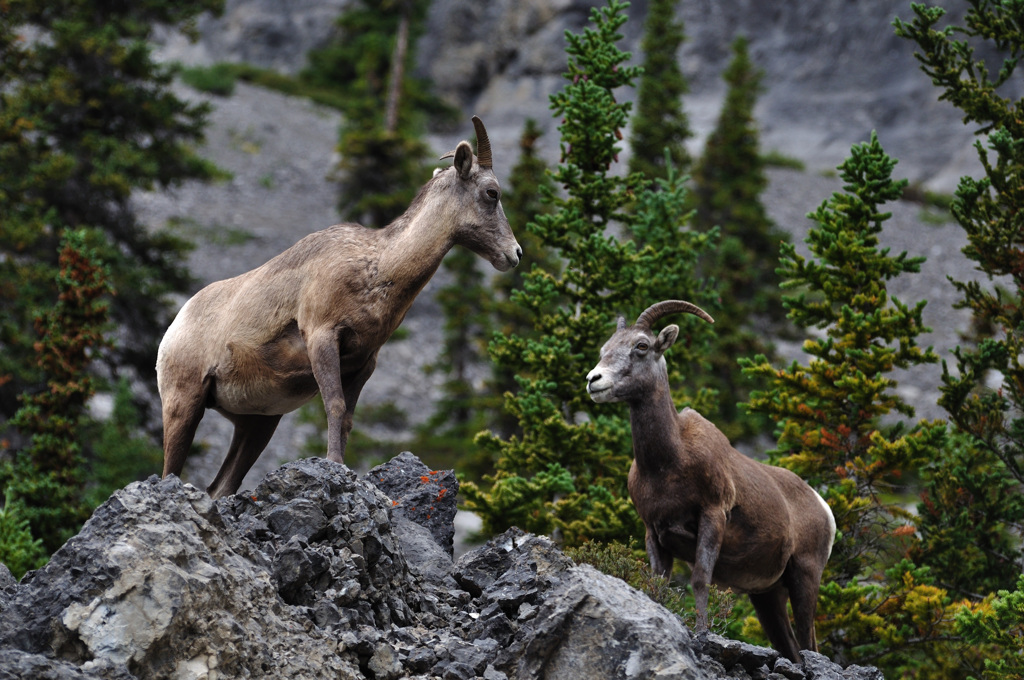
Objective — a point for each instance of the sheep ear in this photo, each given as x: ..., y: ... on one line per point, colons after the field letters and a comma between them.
x: 464, y: 159
x: 666, y: 338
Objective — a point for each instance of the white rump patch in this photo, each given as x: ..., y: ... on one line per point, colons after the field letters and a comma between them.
x: 831, y: 521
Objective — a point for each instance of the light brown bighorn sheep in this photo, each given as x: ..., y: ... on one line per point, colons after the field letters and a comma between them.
x: 741, y: 524
x: 312, y: 319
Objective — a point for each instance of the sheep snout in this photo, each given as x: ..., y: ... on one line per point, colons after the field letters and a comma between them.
x: 598, y: 387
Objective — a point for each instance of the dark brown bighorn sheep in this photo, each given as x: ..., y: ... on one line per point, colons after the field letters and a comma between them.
x: 312, y: 319
x: 741, y: 524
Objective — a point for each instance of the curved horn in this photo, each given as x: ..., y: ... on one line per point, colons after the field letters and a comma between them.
x: 660, y: 309
x: 483, y: 145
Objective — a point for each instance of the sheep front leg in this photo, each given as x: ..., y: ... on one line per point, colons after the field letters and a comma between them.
x: 325, y: 360
x: 353, y: 386
x: 710, y: 534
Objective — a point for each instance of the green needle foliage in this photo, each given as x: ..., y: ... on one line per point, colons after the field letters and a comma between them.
x: 383, y: 163
x: 566, y: 472
x: 728, y: 182
x: 969, y: 520
x: 660, y: 122
x: 528, y: 184
x: 44, y: 481
x: 874, y: 605
x: 998, y: 623
x: 980, y: 483
x: 990, y: 211
x: 86, y: 118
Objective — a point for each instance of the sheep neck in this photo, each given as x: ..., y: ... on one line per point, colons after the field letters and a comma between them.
x: 413, y: 251
x: 655, y: 426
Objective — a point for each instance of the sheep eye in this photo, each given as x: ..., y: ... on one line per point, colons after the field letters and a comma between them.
x: 492, y: 193
x: 642, y: 346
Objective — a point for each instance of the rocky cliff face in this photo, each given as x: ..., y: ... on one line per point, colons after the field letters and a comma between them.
x: 834, y: 69
x: 319, y: 573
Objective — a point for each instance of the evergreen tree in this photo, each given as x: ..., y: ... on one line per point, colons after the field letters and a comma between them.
x: 359, y: 59
x: 529, y: 194
x: 989, y: 210
x: 660, y: 122
x: 46, y: 478
x: 383, y: 160
x: 458, y: 416
x: 379, y: 172
x: 981, y: 484
x: 86, y: 117
x: 998, y: 625
x: 728, y: 182
x: 566, y: 472
x: 969, y: 520
x: 873, y: 604
x: 19, y: 550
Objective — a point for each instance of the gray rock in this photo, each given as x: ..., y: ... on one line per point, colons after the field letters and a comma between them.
x: 491, y: 674
x: 18, y: 665
x: 818, y: 667
x: 856, y: 672
x: 260, y: 32
x: 306, y: 577
x: 8, y: 586
x: 479, y: 568
x: 422, y: 553
x: 590, y: 625
x: 425, y: 496
x: 159, y: 583
x: 788, y: 669
x: 492, y: 623
x: 384, y: 663
x: 300, y: 518
x: 732, y: 653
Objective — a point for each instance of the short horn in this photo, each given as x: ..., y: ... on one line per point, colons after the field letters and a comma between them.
x: 660, y: 309
x: 483, y: 144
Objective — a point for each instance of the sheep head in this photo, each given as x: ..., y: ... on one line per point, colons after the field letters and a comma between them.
x: 483, y: 227
x: 633, y: 359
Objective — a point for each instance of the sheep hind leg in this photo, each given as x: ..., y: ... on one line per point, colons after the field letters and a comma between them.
x: 803, y: 593
x: 771, y: 612
x: 182, y: 411
x: 252, y: 434
x: 661, y: 559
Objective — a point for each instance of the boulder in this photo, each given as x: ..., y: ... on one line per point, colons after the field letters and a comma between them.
x: 317, y: 573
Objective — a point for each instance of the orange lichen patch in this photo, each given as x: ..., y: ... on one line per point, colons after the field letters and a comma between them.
x: 425, y: 479
x: 393, y: 503
x: 905, y: 530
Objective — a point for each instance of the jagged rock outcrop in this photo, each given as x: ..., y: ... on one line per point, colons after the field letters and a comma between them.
x: 318, y: 574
